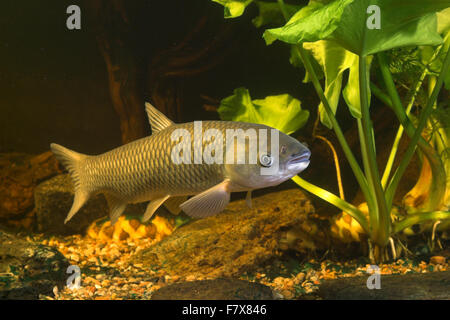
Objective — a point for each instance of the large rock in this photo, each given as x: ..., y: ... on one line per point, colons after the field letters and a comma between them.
x: 234, y: 242
x: 53, y: 200
x: 28, y: 269
x: 19, y: 175
x: 413, y: 286
x: 217, y: 289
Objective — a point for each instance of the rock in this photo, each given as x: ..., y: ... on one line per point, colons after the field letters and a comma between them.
x: 232, y: 243
x: 218, y: 289
x: 28, y: 270
x: 413, y: 286
x: 20, y: 174
x: 53, y: 200
x: 437, y: 260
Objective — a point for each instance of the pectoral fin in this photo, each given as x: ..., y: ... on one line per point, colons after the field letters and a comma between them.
x: 116, y: 207
x: 248, y: 199
x: 209, y: 202
x: 152, y: 206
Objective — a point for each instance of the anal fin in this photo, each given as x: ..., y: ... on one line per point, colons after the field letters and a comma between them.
x: 209, y: 202
x: 153, y: 206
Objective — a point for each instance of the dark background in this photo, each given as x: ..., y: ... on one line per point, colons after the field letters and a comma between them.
x: 54, y: 81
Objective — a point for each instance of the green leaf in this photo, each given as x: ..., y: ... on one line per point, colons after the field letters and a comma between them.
x: 442, y: 54
x: 312, y: 6
x: 282, y: 112
x: 270, y: 13
x: 233, y: 8
x: 294, y: 59
x: 334, y: 61
x: 351, y: 91
x: 443, y: 18
x: 346, y: 21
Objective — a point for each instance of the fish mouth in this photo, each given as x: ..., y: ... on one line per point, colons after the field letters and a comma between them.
x: 300, y: 159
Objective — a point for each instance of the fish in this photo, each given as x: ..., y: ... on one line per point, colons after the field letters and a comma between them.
x: 167, y: 167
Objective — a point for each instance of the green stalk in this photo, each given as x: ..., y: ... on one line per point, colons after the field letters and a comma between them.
x: 345, y: 147
x: 283, y: 10
x: 431, y: 84
x: 398, y: 136
x: 422, y: 122
x: 381, y: 95
x: 390, y: 162
x: 364, y: 151
x: 380, y: 222
x: 362, y: 181
x: 348, y: 208
x: 437, y: 168
x: 415, y: 135
x: 419, y: 218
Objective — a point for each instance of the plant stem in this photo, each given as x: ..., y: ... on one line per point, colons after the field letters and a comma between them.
x: 283, y: 10
x: 334, y: 200
x: 438, y: 184
x: 380, y: 222
x: 398, y: 136
x: 336, y: 164
x: 381, y: 95
x: 301, y: 52
x: 419, y: 218
x: 416, y: 137
x: 362, y: 181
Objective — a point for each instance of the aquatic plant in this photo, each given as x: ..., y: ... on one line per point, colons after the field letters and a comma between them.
x: 358, y: 36
x: 282, y: 111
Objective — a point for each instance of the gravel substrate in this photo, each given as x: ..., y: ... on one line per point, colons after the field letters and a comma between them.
x: 106, y: 272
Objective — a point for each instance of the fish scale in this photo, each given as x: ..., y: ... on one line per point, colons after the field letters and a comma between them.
x: 144, y: 167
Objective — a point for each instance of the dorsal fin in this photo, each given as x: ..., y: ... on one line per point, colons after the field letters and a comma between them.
x: 158, y: 121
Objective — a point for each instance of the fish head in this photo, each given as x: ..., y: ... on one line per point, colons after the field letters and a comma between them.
x: 279, y: 158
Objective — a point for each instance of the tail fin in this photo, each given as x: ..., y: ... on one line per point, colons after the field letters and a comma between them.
x: 72, y: 161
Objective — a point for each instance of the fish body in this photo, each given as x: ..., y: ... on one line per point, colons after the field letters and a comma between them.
x: 148, y: 169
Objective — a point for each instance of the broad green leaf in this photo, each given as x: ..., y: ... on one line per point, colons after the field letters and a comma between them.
x: 427, y: 52
x: 346, y: 21
x: 351, y: 91
x: 312, y: 6
x: 282, y: 112
x: 334, y: 60
x: 294, y: 59
x: 443, y: 18
x: 270, y: 13
x: 233, y: 8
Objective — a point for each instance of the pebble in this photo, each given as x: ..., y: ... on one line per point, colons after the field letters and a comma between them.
x: 190, y: 278
x: 124, y: 281
x: 437, y: 260
x: 287, y: 294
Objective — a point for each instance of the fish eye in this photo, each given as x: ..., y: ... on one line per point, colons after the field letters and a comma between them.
x: 283, y: 149
x: 266, y: 160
